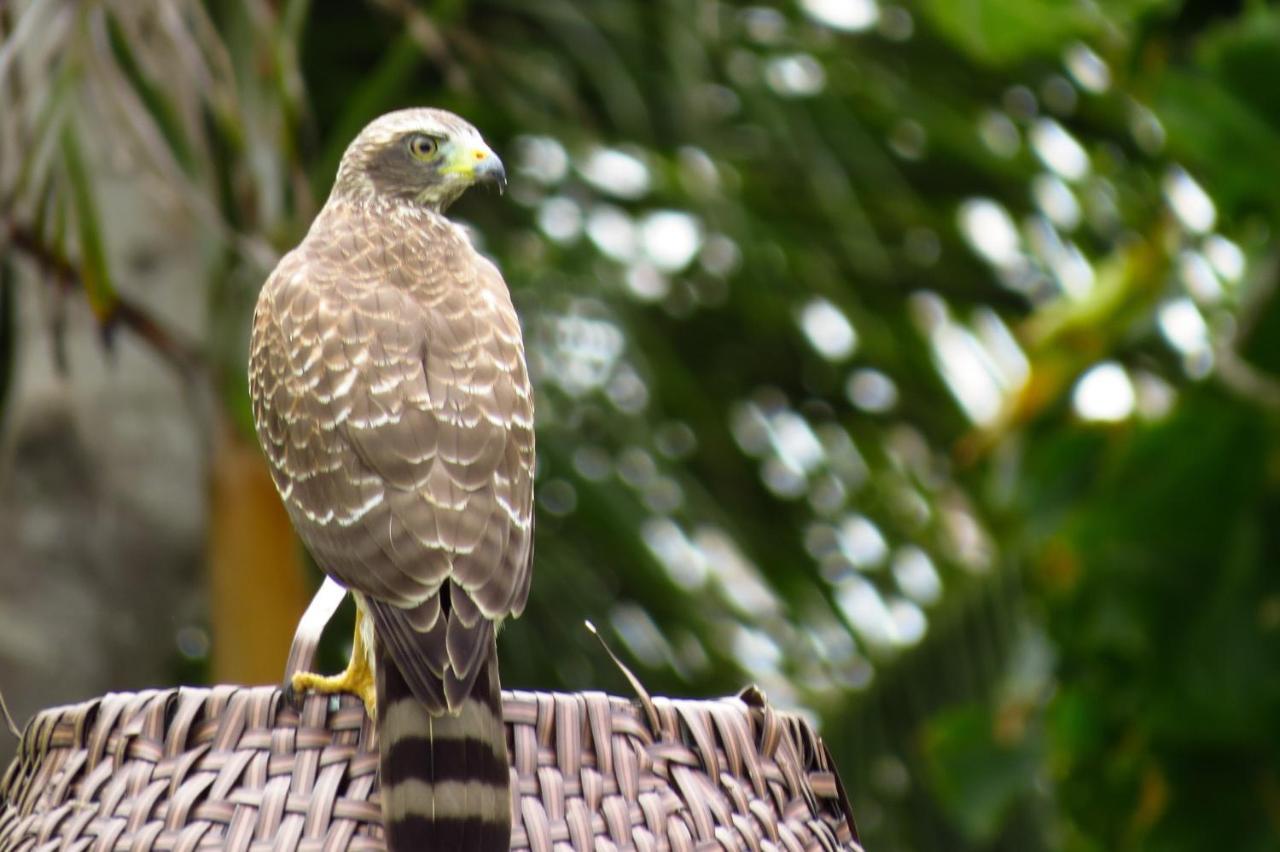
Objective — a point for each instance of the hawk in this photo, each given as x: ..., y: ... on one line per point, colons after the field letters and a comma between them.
x: 392, y: 400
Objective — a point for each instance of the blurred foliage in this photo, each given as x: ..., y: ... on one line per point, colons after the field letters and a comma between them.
x: 917, y: 362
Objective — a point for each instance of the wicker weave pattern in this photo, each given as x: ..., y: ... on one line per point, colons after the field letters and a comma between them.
x: 226, y: 768
x: 237, y: 768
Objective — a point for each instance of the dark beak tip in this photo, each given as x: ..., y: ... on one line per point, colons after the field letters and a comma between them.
x: 492, y: 171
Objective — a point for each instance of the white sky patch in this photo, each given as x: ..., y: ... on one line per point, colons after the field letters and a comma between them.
x: 739, y: 578
x: 1225, y: 256
x: 542, y: 158
x: 871, y: 390
x: 685, y: 563
x: 964, y: 538
x: 796, y: 75
x: 720, y: 256
x: 866, y: 611
x: 1146, y: 129
x: 1013, y: 367
x: 1058, y: 149
x: 763, y: 24
x: 965, y: 367
x: 750, y: 427
x: 1156, y: 397
x: 756, y: 650
x: 842, y: 455
x: 861, y: 542
x: 670, y: 238
x: 640, y: 634
x: 828, y: 330
x: 560, y: 219
x: 613, y: 232
x: 988, y: 228
x: 1183, y: 326
x: 1198, y: 277
x: 1056, y: 200
x: 1104, y: 394
x: 794, y: 441
x: 999, y: 134
x: 1074, y: 272
x: 626, y: 390
x: 1087, y: 68
x: 636, y: 467
x: 586, y: 351
x: 1189, y: 202
x: 783, y: 479
x: 698, y: 171
x: 909, y: 622
x: 1071, y: 269
x: 646, y: 282
x: 616, y: 172
x: 850, y: 16
x: 916, y: 575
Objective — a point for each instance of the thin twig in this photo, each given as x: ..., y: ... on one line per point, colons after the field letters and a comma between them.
x: 182, y: 355
x: 646, y: 700
x: 8, y: 720
x: 1233, y: 370
x: 1246, y: 380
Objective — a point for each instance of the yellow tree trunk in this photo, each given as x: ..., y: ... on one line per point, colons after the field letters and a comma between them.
x: 258, y: 584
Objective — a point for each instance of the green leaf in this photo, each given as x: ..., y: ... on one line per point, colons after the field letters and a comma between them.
x: 95, y: 277
x: 976, y: 776
x: 1222, y: 137
x: 1242, y: 55
x: 54, y: 108
x: 152, y: 95
x: 1002, y: 32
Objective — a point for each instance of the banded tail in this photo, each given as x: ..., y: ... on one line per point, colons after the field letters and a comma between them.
x: 446, y: 784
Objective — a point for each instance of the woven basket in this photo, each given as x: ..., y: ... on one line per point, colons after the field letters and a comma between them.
x: 239, y: 768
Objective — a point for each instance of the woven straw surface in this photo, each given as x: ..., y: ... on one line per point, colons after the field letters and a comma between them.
x: 238, y: 768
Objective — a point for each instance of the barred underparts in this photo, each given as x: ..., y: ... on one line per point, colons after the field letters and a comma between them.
x: 392, y: 400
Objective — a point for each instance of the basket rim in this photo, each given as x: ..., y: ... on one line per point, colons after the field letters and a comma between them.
x: 99, y: 726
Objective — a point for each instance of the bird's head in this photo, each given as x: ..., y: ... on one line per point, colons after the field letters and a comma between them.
x: 419, y: 156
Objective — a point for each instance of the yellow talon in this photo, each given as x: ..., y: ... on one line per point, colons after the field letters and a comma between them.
x: 358, y: 678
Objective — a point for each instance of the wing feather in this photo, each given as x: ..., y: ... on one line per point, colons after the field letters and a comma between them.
x: 391, y: 396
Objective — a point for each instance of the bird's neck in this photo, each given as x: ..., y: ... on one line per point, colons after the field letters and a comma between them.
x: 354, y: 188
x: 400, y: 212
x: 393, y: 221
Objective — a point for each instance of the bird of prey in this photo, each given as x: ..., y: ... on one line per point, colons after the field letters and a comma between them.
x: 392, y: 400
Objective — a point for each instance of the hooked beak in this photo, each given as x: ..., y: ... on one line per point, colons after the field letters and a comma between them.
x: 490, y: 170
x: 478, y: 163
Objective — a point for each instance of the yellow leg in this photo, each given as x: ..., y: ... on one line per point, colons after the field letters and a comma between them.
x: 358, y: 679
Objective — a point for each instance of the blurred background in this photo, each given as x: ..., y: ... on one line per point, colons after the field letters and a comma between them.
x: 917, y: 361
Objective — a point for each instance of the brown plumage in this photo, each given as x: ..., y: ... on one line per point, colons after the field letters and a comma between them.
x: 392, y: 400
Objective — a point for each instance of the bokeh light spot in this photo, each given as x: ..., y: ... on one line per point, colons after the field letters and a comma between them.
x: 1104, y: 394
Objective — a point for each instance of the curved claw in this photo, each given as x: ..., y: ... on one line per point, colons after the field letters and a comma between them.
x: 292, y: 697
x: 358, y: 679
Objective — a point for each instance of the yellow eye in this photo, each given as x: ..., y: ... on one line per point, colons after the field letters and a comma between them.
x: 422, y: 146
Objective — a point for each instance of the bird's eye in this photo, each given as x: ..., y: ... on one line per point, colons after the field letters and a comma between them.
x: 422, y: 146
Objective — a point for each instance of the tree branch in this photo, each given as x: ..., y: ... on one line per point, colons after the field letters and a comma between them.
x: 184, y: 356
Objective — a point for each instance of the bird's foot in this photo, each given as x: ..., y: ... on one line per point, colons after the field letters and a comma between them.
x: 356, y: 680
